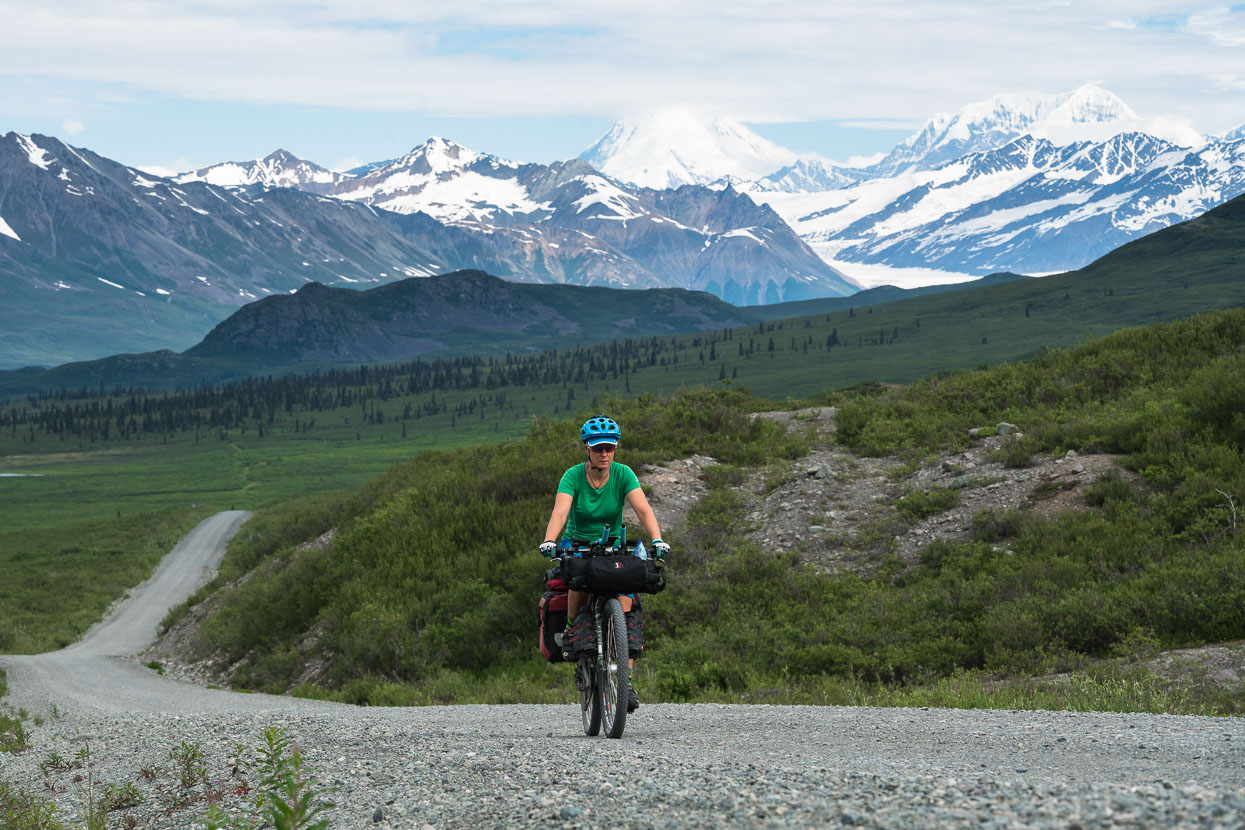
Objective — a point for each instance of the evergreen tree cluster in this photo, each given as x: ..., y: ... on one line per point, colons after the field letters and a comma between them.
x: 292, y: 402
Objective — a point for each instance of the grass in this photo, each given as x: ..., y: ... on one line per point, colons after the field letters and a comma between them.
x: 1106, y: 689
x: 925, y: 503
x: 1109, y: 686
x: 267, y: 784
x: 85, y: 526
x: 13, y: 734
x: 60, y: 580
x: 425, y: 593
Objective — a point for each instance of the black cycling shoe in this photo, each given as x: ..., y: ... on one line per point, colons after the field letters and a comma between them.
x: 633, y: 700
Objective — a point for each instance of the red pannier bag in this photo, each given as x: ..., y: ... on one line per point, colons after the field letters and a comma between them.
x: 552, y: 621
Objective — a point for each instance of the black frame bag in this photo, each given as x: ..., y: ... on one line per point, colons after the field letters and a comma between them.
x: 613, y: 575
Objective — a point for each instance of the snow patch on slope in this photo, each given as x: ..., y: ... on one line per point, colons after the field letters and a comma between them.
x: 8, y: 231
x: 36, y: 154
x: 466, y: 197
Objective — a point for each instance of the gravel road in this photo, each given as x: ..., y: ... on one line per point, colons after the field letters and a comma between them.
x: 678, y: 765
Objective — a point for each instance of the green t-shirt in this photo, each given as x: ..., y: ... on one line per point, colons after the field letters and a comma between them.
x: 593, y: 508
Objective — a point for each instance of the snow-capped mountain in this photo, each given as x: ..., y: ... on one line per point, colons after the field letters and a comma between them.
x: 672, y: 147
x: 574, y: 224
x: 448, y: 181
x: 1087, y: 114
x: 810, y: 175
x: 1030, y: 206
x: 110, y: 259
x: 568, y: 222
x: 669, y: 148
x: 277, y: 169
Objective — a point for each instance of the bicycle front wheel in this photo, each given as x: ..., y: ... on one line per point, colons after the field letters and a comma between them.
x: 612, y: 675
x: 589, y: 700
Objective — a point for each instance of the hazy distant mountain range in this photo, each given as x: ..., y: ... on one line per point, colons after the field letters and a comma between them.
x: 1023, y: 182
x: 1189, y: 268
x: 98, y: 258
x: 671, y: 148
x: 1030, y: 206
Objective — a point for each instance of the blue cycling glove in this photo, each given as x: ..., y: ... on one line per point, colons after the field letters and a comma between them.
x: 660, y: 549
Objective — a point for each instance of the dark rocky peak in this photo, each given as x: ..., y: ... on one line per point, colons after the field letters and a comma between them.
x: 713, y: 211
x: 544, y: 180
x: 283, y: 156
x: 1129, y: 152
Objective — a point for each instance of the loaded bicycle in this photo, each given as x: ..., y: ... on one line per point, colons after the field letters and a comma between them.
x: 599, y: 645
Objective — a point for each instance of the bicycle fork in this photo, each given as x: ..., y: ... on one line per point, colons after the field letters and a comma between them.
x: 604, y: 666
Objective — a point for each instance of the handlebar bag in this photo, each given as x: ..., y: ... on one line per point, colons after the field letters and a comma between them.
x: 613, y: 575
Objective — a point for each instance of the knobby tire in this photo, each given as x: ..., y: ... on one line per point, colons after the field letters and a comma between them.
x: 613, y: 679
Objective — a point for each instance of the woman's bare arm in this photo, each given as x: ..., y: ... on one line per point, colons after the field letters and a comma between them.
x: 557, y: 521
x: 639, y: 503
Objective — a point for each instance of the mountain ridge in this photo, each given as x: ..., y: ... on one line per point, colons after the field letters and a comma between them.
x: 451, y: 314
x: 1030, y: 225
x: 553, y: 212
x: 99, y: 258
x: 1030, y: 206
x: 1188, y: 268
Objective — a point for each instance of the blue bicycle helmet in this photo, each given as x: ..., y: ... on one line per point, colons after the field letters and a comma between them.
x: 600, y: 430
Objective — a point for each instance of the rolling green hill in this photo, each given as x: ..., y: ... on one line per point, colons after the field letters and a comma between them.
x: 464, y: 312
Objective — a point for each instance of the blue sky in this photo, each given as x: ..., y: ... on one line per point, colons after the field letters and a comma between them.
x: 186, y: 84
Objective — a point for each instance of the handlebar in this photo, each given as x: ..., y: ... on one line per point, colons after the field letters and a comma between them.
x: 599, y: 549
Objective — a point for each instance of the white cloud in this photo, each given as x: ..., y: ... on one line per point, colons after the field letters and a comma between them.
x: 864, y: 161
x: 1222, y: 26
x: 180, y: 165
x: 348, y: 163
x: 756, y: 62
x: 72, y: 126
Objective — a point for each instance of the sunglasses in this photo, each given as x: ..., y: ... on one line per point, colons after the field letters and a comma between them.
x: 603, y: 448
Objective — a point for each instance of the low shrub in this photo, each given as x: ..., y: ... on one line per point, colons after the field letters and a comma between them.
x: 921, y: 505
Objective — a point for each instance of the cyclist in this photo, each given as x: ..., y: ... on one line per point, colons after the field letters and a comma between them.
x: 590, y: 498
